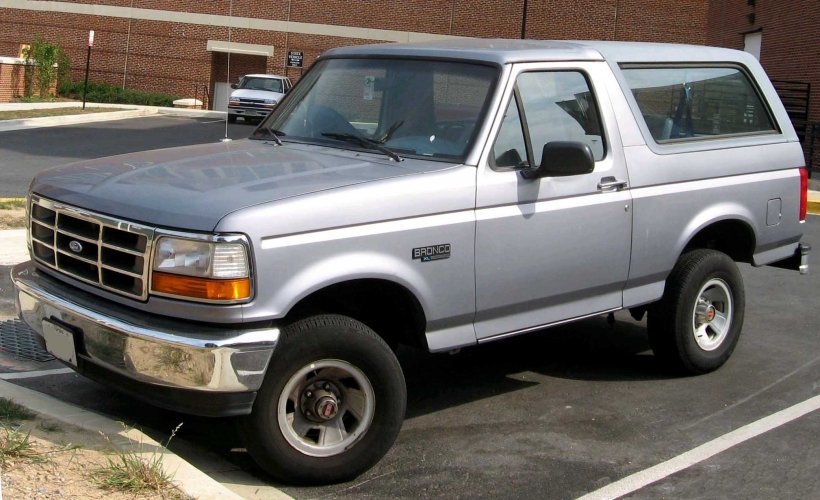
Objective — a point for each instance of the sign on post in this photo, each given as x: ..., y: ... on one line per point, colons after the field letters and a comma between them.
x: 88, y: 64
x: 296, y: 59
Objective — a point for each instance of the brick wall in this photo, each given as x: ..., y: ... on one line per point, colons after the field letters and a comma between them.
x: 13, y: 76
x: 171, y: 56
x: 790, y: 49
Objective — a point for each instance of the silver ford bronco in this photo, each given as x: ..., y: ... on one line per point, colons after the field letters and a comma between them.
x: 438, y: 195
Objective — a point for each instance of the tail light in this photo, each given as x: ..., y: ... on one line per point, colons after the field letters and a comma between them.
x: 804, y: 193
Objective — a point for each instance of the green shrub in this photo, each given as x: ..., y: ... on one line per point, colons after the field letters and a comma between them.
x: 51, y: 62
x: 107, y: 93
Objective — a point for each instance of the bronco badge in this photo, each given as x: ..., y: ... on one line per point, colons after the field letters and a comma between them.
x: 432, y: 252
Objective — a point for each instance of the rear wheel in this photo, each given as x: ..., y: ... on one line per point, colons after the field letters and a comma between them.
x: 696, y: 325
x: 331, y: 405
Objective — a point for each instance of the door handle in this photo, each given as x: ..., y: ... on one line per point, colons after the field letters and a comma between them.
x: 611, y: 184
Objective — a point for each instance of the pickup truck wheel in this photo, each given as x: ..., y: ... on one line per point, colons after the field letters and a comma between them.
x: 696, y: 325
x: 231, y: 118
x: 331, y: 405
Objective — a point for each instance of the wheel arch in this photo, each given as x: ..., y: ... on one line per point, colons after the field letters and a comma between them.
x: 391, y: 309
x: 732, y: 235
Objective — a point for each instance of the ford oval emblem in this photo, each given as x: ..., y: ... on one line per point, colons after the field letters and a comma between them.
x: 75, y: 246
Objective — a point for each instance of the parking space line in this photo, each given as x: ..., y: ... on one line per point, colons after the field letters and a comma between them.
x: 37, y: 373
x: 750, y: 396
x: 703, y: 452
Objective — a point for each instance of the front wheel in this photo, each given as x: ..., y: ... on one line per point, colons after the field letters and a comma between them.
x: 696, y: 325
x: 331, y: 405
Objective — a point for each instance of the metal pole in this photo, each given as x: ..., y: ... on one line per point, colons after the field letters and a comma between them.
x: 230, y: 17
x: 524, y: 22
x: 87, y: 66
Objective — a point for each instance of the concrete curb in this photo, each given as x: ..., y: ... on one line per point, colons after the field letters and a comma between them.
x: 187, y: 478
x: 813, y: 206
x: 56, y: 121
x: 128, y: 112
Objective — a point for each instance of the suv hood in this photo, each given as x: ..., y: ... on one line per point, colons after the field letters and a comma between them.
x: 193, y: 187
x: 257, y: 94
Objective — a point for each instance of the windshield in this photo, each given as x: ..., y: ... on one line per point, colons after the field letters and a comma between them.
x: 259, y: 83
x: 412, y: 107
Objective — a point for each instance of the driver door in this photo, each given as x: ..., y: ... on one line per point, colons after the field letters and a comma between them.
x: 551, y: 249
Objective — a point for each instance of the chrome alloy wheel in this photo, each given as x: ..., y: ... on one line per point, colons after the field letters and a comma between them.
x: 712, y: 316
x: 326, y: 407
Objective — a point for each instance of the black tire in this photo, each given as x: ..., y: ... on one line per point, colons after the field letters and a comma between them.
x: 309, y: 352
x: 231, y: 118
x: 691, y: 335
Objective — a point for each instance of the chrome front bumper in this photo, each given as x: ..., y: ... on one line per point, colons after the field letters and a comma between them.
x: 149, y: 349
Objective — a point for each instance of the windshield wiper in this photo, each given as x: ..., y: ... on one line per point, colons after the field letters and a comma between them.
x: 273, y: 133
x: 363, y: 141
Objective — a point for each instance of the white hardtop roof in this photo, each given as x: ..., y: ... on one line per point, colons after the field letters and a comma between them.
x: 507, y: 51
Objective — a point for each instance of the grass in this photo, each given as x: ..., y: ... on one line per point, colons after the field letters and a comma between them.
x: 12, y: 213
x: 12, y: 203
x: 129, y: 471
x: 11, y: 413
x: 40, y: 113
x: 15, y: 444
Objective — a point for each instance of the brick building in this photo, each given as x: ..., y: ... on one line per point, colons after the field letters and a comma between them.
x: 783, y: 35
x: 176, y: 46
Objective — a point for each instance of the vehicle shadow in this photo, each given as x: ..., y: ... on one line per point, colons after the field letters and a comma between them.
x: 591, y: 349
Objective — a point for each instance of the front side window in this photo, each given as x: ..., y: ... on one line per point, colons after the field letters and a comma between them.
x: 689, y: 103
x: 412, y: 107
x: 547, y: 107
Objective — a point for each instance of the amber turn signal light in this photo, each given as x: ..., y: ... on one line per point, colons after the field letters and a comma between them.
x: 201, y: 288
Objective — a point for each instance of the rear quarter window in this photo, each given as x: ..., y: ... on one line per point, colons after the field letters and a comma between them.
x: 691, y: 103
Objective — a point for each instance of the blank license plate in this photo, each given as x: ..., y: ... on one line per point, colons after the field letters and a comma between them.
x: 60, y: 342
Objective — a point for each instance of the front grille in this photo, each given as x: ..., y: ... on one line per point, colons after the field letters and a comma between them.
x: 110, y: 253
x: 253, y: 103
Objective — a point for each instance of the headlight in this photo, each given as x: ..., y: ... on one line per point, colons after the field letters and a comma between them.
x: 269, y: 103
x: 233, y: 102
x: 201, y: 269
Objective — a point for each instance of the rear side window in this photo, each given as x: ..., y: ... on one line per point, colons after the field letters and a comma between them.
x: 687, y: 103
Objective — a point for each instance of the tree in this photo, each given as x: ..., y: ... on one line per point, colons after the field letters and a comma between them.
x: 45, y: 56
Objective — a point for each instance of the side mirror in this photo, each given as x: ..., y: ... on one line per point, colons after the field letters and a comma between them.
x: 234, y: 86
x: 562, y: 158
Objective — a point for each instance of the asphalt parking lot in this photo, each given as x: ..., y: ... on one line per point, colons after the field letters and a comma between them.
x: 26, y: 152
x: 555, y: 414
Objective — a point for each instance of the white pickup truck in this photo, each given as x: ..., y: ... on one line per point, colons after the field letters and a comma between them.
x: 255, y: 96
x: 437, y: 195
